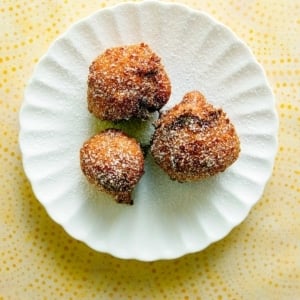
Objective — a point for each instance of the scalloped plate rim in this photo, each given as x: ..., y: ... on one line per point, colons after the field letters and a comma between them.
x: 26, y: 155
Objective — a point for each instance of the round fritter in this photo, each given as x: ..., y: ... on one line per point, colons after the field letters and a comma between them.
x: 114, y: 162
x: 125, y: 82
x: 194, y: 140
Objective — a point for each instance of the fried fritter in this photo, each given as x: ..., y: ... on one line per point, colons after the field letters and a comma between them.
x: 194, y: 140
x: 127, y: 81
x: 114, y: 162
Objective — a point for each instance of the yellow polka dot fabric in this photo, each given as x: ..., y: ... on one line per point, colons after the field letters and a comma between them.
x: 260, y: 259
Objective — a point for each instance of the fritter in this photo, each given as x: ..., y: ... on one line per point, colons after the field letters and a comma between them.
x: 127, y: 81
x: 114, y: 162
x: 194, y: 140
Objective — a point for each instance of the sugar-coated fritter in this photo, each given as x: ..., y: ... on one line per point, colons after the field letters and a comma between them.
x: 194, y: 140
x: 127, y: 81
x: 114, y: 162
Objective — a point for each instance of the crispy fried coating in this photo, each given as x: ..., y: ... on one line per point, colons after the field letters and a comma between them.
x: 114, y: 162
x: 194, y: 140
x: 127, y: 81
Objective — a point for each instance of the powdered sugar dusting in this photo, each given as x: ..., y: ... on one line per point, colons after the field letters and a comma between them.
x: 126, y: 82
x: 114, y: 162
x: 194, y: 140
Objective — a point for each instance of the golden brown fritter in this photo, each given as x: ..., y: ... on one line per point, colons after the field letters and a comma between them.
x: 194, y: 140
x: 114, y: 162
x: 125, y: 82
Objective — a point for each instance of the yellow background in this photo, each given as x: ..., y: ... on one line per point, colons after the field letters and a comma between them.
x: 260, y: 259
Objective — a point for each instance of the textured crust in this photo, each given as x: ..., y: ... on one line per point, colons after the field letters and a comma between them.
x: 194, y: 140
x: 126, y: 82
x: 114, y: 162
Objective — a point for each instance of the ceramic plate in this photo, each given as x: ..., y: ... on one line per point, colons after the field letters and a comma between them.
x: 168, y: 219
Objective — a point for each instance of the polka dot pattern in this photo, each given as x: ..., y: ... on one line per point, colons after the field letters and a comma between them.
x: 258, y: 260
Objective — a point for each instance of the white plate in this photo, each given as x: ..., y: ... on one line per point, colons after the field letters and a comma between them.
x: 168, y: 219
